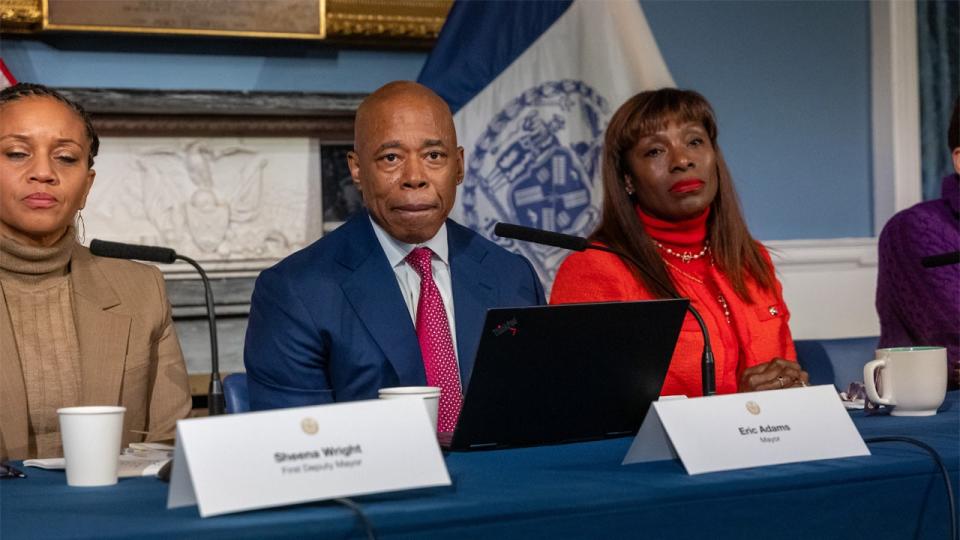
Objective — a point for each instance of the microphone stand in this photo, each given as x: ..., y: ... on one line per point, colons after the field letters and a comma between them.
x: 216, y: 402
x: 707, y: 368
x: 117, y: 250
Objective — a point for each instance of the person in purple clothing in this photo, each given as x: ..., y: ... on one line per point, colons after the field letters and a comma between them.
x: 917, y: 305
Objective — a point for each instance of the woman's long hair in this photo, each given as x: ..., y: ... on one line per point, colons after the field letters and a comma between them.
x: 735, y: 252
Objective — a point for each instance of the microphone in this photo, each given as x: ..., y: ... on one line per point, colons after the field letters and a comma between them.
x: 577, y: 243
x: 117, y: 250
x: 538, y: 236
x: 942, y: 259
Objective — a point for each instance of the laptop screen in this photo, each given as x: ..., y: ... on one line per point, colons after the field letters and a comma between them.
x: 563, y: 373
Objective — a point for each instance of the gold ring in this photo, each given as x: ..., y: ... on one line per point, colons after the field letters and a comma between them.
x: 780, y: 379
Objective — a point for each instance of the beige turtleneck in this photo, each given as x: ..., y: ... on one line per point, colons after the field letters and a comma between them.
x: 35, y: 282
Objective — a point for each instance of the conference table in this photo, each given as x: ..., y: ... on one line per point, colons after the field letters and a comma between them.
x: 575, y: 490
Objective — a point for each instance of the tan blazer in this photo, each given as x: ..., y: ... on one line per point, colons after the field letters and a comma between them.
x: 129, y: 353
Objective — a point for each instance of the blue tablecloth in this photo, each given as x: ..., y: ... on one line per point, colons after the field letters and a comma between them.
x: 574, y: 491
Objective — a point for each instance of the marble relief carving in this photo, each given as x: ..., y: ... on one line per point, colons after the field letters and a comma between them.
x: 239, y: 203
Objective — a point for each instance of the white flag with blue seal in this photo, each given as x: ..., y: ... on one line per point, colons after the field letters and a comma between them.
x: 532, y: 86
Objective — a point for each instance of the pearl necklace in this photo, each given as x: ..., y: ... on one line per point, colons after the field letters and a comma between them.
x: 686, y: 256
x: 726, y: 308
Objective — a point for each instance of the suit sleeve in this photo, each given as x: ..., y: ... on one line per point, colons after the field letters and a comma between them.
x: 917, y: 305
x: 893, y: 331
x: 170, y: 396
x: 784, y: 336
x: 537, y: 287
x: 285, y: 352
x: 783, y: 340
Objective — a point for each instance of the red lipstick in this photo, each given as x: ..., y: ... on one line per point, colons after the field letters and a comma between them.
x: 687, y: 186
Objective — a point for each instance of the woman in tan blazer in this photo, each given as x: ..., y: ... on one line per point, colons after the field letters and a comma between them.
x: 75, y: 329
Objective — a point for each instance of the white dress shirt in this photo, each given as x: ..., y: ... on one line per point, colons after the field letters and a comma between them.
x: 408, y: 278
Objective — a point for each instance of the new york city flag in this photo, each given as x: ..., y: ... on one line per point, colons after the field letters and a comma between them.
x: 532, y: 86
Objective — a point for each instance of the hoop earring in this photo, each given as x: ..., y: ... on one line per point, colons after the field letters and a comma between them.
x: 82, y: 229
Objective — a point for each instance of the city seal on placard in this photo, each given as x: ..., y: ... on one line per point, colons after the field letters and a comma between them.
x: 309, y: 426
x: 537, y: 164
x: 753, y: 408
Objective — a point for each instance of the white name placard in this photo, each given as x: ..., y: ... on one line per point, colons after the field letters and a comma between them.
x: 736, y: 431
x: 257, y: 460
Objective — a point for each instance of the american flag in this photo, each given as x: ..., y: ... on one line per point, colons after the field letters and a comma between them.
x: 6, y: 78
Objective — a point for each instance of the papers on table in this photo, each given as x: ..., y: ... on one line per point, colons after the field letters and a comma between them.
x: 140, y: 459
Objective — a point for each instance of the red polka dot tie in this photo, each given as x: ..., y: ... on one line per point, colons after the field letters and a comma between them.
x: 436, y: 344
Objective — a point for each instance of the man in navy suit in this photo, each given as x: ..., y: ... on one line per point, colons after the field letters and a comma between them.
x: 338, y: 320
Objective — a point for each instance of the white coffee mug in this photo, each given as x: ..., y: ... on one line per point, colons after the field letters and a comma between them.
x: 429, y: 394
x: 913, y: 380
x: 91, y: 444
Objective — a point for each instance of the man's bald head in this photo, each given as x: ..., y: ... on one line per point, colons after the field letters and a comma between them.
x: 393, y: 95
x: 405, y: 160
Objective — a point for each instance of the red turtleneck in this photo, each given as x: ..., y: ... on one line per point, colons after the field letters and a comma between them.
x: 742, y: 334
x: 680, y: 237
x: 688, y: 234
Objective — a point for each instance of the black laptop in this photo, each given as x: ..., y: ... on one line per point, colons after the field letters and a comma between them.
x: 564, y: 373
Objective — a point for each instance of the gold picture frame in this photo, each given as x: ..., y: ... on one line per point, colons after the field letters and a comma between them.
x: 412, y: 22
x: 296, y: 19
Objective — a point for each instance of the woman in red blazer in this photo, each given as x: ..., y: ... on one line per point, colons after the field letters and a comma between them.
x: 669, y: 202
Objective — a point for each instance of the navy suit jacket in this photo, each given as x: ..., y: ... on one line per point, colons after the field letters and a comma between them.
x: 328, y: 323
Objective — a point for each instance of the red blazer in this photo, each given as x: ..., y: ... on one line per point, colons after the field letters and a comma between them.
x: 758, y: 332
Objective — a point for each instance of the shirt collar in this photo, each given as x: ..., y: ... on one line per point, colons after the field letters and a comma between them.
x: 397, y: 251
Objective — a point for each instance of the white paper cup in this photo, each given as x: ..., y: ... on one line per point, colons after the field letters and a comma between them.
x: 91, y: 444
x: 429, y: 394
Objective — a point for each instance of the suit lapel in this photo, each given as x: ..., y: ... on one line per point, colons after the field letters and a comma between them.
x: 474, y: 292
x: 13, y: 393
x: 102, y: 334
x: 372, y: 290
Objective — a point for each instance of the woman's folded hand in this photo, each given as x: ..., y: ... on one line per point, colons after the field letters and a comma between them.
x: 773, y: 375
